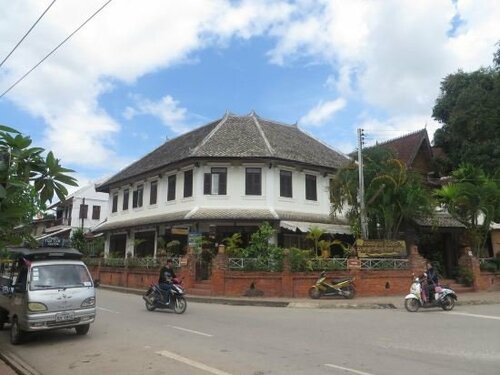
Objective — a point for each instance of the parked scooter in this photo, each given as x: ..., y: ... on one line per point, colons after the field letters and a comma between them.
x: 155, y: 298
x: 340, y: 287
x: 444, y: 297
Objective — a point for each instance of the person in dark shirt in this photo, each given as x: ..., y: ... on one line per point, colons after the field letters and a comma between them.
x: 432, y: 280
x: 165, y: 280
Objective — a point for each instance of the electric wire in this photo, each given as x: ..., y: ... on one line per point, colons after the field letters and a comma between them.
x: 54, y: 50
x: 25, y: 35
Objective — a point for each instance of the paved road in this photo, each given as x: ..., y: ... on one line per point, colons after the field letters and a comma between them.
x: 222, y: 340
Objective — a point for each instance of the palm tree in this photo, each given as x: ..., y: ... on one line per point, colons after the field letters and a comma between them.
x: 315, y: 234
x: 393, y: 194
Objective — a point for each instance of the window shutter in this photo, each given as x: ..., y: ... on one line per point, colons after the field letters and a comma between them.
x: 222, y: 184
x: 207, y: 183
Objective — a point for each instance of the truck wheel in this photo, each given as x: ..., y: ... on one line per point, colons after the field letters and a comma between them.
x: 82, y: 330
x: 17, y: 336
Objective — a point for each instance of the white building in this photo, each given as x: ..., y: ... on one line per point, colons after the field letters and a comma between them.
x: 229, y: 175
x: 85, y: 209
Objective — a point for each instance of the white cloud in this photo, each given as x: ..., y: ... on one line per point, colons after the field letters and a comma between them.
x: 388, y: 54
x: 167, y: 109
x: 127, y: 40
x: 393, y: 53
x: 322, y: 112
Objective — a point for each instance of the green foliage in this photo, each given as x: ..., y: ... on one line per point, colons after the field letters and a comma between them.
x: 27, y: 181
x: 233, y: 245
x: 78, y: 241
x: 489, y: 267
x: 259, y: 242
x: 469, y: 111
x: 315, y: 234
x: 173, y: 247
x: 393, y: 193
x: 472, y: 198
x: 300, y: 260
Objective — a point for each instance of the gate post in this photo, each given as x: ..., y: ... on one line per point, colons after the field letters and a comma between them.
x: 219, y: 266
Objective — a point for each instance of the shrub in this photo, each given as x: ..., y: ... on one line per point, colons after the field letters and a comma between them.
x: 489, y: 267
x: 465, y: 276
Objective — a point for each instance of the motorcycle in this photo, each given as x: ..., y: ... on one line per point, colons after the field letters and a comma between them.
x: 341, y: 287
x: 444, y: 297
x: 155, y: 298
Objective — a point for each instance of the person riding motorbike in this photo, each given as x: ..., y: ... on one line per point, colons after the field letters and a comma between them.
x: 431, y: 281
x: 167, y: 274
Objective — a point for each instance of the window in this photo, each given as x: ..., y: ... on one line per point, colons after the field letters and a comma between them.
x: 215, y: 182
x: 125, y: 199
x: 188, y: 183
x: 115, y: 203
x: 171, y: 187
x: 311, y: 193
x: 137, y: 196
x: 253, y: 181
x: 84, y: 209
x: 96, y: 212
x: 286, y: 184
x: 153, y: 192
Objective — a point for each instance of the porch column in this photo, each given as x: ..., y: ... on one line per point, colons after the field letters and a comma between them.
x: 129, y: 248
x: 107, y: 244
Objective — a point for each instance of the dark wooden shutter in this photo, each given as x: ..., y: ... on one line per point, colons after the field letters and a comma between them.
x: 207, y: 183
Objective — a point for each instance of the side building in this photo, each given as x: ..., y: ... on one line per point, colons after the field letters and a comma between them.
x: 228, y: 176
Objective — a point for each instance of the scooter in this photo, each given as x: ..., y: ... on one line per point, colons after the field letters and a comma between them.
x: 341, y: 287
x: 444, y: 297
x: 155, y: 298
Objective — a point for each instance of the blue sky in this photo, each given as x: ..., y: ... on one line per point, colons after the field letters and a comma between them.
x: 142, y: 72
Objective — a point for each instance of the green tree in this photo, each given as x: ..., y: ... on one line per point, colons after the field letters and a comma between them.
x: 314, y: 234
x: 27, y: 181
x: 468, y: 107
x: 473, y: 199
x: 393, y: 194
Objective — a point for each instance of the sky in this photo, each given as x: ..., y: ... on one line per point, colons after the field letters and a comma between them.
x: 142, y: 72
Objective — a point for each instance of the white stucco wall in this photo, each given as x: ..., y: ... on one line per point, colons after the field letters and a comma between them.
x: 235, y: 197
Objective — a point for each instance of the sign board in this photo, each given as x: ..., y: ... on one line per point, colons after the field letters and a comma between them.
x: 380, y: 248
x: 180, y: 230
x: 55, y: 242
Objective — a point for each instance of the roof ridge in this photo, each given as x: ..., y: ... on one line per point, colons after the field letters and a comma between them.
x: 263, y: 135
x: 400, y: 137
x: 209, y: 135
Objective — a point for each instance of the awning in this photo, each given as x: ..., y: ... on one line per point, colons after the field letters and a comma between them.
x: 46, y: 235
x: 305, y: 226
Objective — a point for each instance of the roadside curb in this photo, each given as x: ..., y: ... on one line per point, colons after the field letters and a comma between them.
x: 267, y: 303
x: 17, y: 364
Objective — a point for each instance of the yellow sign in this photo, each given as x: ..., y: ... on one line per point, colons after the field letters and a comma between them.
x: 380, y: 248
x: 180, y: 230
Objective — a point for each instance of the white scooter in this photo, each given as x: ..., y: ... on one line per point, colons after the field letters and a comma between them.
x: 444, y: 297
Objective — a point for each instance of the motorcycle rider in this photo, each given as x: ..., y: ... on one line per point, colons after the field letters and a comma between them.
x: 431, y: 278
x: 167, y: 274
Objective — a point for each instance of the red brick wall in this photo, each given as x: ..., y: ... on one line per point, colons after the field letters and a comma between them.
x: 283, y: 284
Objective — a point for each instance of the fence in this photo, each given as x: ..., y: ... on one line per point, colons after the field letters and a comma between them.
x: 147, y: 262
x: 384, y: 264
x: 254, y: 264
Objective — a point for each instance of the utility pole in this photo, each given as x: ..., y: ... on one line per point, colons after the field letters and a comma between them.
x: 361, y: 190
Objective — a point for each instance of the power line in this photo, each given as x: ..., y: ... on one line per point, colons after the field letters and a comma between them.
x: 55, y: 49
x: 25, y: 35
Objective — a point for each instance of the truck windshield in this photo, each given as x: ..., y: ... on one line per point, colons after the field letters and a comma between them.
x: 59, y: 276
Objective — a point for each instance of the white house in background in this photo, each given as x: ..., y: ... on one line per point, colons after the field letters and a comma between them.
x: 85, y: 208
x: 227, y: 176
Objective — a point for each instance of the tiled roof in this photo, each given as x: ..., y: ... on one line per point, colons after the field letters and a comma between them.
x: 315, y: 218
x: 136, y: 222
x: 235, y: 137
x: 439, y: 220
x: 231, y: 214
x: 406, y: 147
